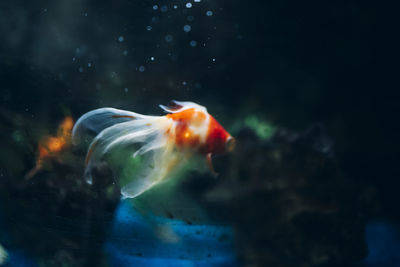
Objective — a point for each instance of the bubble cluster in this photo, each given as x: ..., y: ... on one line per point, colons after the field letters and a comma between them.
x: 173, y: 37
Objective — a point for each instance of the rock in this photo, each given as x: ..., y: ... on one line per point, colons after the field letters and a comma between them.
x: 288, y: 200
x: 55, y: 215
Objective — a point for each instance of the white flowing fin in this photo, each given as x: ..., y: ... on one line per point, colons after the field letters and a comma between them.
x: 146, y: 178
x: 179, y: 106
x: 157, y: 164
x: 123, y: 134
x: 95, y: 121
x: 156, y: 144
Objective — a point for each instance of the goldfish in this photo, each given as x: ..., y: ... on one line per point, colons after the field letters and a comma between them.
x: 163, y: 141
x: 50, y: 146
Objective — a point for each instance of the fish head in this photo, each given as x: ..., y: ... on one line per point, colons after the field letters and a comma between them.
x: 196, y: 129
x: 218, y: 139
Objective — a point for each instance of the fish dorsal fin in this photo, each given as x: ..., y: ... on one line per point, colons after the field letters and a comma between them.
x: 178, y: 106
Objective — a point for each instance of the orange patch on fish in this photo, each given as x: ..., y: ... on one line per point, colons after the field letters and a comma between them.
x: 184, y: 136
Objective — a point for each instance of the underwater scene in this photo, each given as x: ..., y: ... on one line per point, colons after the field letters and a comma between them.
x: 198, y: 133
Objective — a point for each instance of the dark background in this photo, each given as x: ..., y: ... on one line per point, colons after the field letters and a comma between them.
x: 293, y: 63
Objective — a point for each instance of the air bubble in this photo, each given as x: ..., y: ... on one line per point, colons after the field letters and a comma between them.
x: 193, y: 43
x: 169, y: 38
x: 164, y: 8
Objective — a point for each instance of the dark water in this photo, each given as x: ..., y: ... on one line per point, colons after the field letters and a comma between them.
x: 309, y: 89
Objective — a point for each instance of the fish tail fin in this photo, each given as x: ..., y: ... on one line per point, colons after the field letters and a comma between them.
x: 93, y: 122
x: 148, y: 138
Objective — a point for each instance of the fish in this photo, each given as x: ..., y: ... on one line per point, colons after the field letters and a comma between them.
x: 164, y: 142
x: 51, y: 146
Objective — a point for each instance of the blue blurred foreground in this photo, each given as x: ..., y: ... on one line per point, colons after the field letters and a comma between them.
x: 383, y: 240
x: 138, y: 240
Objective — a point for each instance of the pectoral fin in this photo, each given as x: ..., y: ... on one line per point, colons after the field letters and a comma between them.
x: 210, y: 165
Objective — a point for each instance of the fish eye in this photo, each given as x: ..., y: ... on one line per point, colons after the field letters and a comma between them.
x: 230, y: 144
